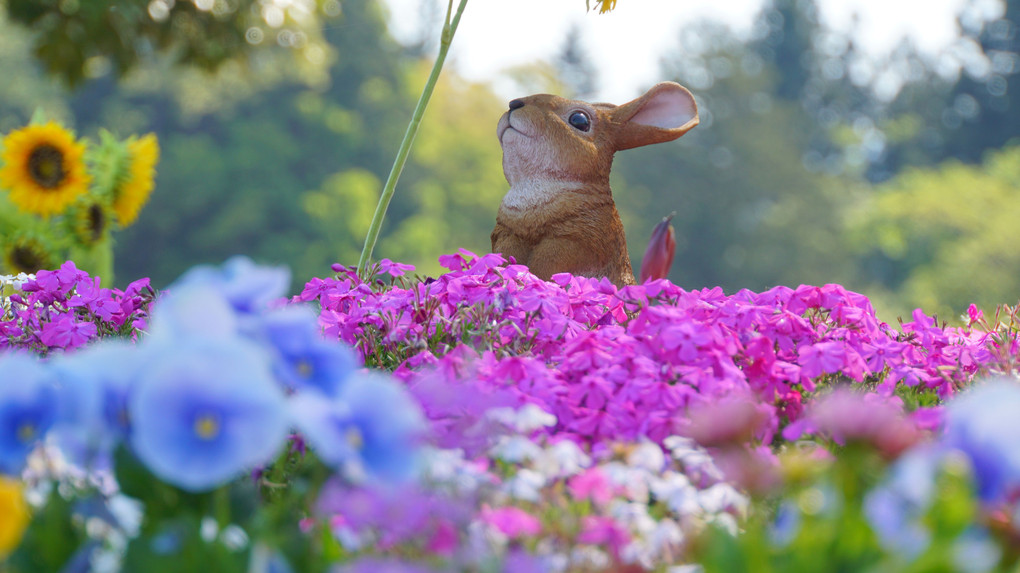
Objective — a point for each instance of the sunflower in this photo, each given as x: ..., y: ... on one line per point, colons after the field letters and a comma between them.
x: 43, y: 168
x: 131, y: 195
x: 27, y: 255
x: 88, y: 222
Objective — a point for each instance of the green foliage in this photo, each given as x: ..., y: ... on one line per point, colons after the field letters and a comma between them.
x: 81, y: 39
x: 945, y: 237
x: 823, y: 524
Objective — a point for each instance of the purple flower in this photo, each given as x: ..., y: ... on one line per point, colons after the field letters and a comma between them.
x: 593, y: 484
x: 205, y: 411
x: 194, y: 309
x: 377, y: 565
x: 370, y: 428
x: 248, y: 287
x: 984, y: 424
x: 302, y: 358
x: 821, y: 358
x: 94, y: 387
x: 66, y: 332
x: 598, y: 530
x: 28, y: 408
x: 511, y: 521
x: 847, y: 416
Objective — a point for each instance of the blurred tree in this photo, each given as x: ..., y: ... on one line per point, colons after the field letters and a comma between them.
x: 983, y: 110
x: 234, y: 169
x: 944, y: 237
x: 575, y: 68
x: 749, y: 212
x: 80, y: 39
x: 966, y: 102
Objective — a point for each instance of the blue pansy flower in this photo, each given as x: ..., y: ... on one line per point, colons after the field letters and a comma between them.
x: 94, y: 386
x: 302, y: 357
x: 204, y: 411
x: 371, y: 428
x: 248, y: 287
x: 896, y: 507
x: 983, y: 423
x: 193, y: 309
x: 28, y: 408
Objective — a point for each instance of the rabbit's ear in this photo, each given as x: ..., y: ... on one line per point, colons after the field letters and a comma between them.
x: 664, y: 113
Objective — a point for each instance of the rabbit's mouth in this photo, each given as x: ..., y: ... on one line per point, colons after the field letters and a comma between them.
x: 505, y: 125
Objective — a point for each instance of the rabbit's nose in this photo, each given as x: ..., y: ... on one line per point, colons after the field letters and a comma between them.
x: 516, y: 104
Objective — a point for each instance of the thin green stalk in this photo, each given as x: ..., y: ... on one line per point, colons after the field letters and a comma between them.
x: 449, y: 29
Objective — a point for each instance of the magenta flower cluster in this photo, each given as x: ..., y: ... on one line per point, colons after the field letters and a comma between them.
x: 66, y: 308
x: 616, y: 364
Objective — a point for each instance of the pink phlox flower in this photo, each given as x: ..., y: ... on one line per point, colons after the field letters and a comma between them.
x: 848, y: 416
x: 924, y: 327
x: 393, y: 269
x: 735, y: 419
x: 98, y: 300
x: 881, y: 352
x: 591, y: 484
x: 444, y: 538
x: 592, y: 391
x: 686, y: 338
x: 65, y: 332
x: 599, y: 530
x: 974, y: 315
x: 593, y: 424
x: 821, y: 358
x: 511, y: 521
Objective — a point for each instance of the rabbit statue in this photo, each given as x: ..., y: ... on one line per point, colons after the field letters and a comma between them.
x: 559, y: 215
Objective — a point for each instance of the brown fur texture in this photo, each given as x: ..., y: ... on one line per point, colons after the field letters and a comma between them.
x: 559, y: 215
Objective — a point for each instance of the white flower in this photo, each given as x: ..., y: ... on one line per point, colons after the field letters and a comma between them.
x: 680, y: 445
x: 562, y: 459
x: 647, y: 455
x: 525, y: 420
x: 666, y: 537
x: 234, y: 538
x: 686, y: 569
x: 589, y: 558
x: 525, y: 484
x: 727, y: 522
x: 699, y: 466
x: 633, y: 516
x: 128, y: 512
x: 531, y: 418
x: 633, y: 481
x: 722, y: 497
x: 515, y: 449
x: 677, y: 492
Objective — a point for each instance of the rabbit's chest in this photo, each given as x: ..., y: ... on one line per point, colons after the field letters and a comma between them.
x: 528, y: 195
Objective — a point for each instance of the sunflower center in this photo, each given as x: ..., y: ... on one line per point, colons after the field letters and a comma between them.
x: 46, y: 166
x: 207, y: 427
x: 26, y: 258
x: 96, y: 222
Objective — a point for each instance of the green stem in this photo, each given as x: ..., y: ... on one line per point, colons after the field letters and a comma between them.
x: 449, y: 29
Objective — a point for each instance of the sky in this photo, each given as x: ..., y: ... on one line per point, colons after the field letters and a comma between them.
x: 629, y: 41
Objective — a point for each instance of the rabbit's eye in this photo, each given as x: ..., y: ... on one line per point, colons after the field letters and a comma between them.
x: 580, y: 120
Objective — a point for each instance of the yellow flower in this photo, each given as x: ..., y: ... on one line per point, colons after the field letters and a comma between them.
x: 43, y: 168
x: 14, y: 515
x: 133, y: 191
x: 607, y: 5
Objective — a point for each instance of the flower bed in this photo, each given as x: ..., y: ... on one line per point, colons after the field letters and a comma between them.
x: 526, y: 425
